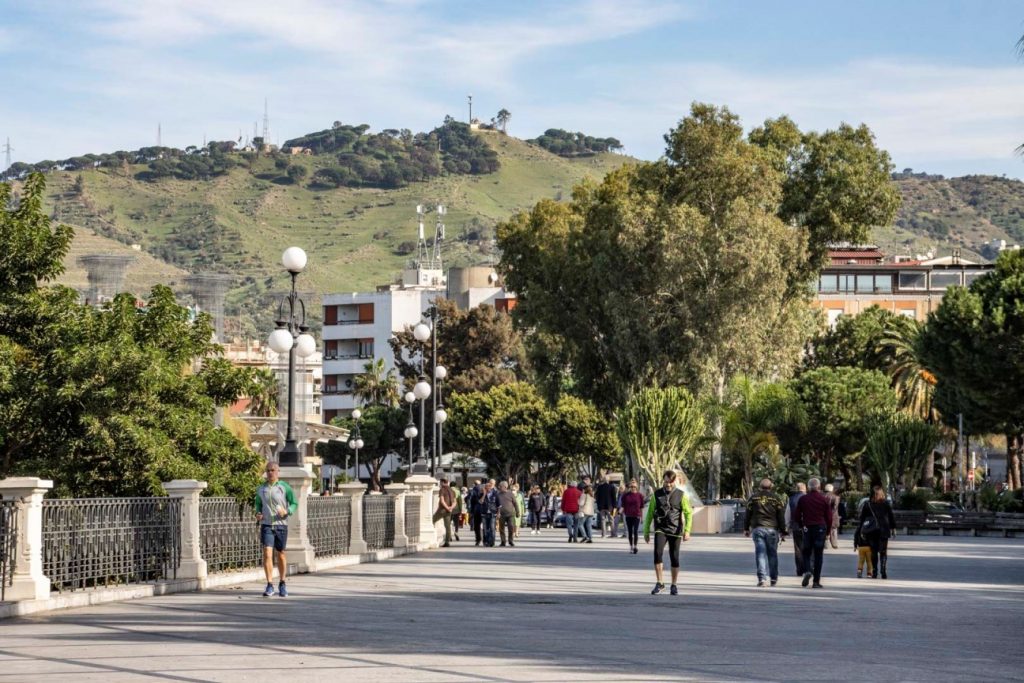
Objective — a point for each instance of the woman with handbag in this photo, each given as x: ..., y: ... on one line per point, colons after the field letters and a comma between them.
x: 877, y: 523
x: 588, y: 508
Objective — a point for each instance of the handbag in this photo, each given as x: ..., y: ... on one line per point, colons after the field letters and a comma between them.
x: 869, y: 526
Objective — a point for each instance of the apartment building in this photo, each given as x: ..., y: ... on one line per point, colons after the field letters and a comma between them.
x: 358, y: 325
x: 859, y: 277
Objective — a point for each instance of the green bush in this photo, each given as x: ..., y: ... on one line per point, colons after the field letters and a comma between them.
x: 852, y: 499
x: 916, y: 499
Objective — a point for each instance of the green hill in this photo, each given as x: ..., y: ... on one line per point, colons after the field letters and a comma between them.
x: 239, y: 222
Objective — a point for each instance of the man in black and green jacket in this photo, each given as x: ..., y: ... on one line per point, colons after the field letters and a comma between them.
x: 275, y: 503
x: 672, y: 516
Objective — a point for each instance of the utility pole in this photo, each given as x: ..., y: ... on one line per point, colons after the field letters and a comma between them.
x: 7, y: 154
x: 470, y: 97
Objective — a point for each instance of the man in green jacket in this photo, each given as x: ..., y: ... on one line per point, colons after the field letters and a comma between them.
x: 670, y: 511
x: 275, y: 502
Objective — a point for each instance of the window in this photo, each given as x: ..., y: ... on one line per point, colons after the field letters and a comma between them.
x: 865, y: 284
x: 330, y: 315
x: 944, y: 279
x: 971, y: 277
x: 366, y: 348
x: 846, y: 283
x: 907, y: 313
x: 916, y: 280
x: 828, y: 283
x: 883, y: 283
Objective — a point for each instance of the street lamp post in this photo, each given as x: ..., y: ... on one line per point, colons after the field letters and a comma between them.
x: 292, y: 337
x: 440, y: 416
x: 410, y: 429
x: 356, y: 442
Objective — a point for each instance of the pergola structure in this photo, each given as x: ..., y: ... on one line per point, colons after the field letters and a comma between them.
x: 266, y: 433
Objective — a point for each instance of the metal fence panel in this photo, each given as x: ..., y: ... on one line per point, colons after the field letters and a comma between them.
x: 228, y: 535
x: 329, y: 520
x: 412, y: 518
x: 88, y: 542
x: 379, y: 521
x: 8, y: 543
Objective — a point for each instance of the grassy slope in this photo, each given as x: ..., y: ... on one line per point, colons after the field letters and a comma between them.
x: 351, y: 235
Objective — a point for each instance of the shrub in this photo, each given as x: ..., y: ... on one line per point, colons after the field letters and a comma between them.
x: 916, y: 499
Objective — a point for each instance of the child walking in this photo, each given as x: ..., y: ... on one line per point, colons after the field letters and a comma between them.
x: 863, y: 554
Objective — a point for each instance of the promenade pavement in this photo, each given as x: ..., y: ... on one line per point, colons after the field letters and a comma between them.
x: 953, y: 610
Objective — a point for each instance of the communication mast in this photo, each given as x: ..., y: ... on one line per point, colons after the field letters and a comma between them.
x: 7, y: 154
x: 438, y: 238
x: 266, y: 123
x: 421, y: 242
x: 159, y: 136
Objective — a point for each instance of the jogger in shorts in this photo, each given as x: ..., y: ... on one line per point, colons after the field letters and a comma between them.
x: 670, y: 511
x: 275, y: 502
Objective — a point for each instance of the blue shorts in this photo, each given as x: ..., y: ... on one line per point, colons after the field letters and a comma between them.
x: 276, y: 536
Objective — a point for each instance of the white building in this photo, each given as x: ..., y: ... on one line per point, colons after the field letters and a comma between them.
x: 358, y: 326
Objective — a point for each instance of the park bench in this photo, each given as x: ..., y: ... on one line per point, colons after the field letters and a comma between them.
x: 960, y: 523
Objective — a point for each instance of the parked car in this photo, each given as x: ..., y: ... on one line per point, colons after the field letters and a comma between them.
x: 942, y: 510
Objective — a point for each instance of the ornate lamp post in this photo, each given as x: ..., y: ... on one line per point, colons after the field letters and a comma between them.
x: 410, y: 429
x: 356, y: 442
x: 440, y: 415
x: 292, y: 337
x: 422, y: 389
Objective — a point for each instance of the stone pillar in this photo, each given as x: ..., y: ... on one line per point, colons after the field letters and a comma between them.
x: 424, y: 486
x: 399, y: 491
x: 355, y: 491
x: 29, y: 583
x: 299, y: 550
x: 192, y: 566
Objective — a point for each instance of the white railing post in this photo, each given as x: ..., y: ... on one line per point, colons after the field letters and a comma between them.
x: 29, y: 582
x: 355, y: 490
x: 299, y: 550
x: 425, y: 487
x: 400, y: 491
x: 192, y: 566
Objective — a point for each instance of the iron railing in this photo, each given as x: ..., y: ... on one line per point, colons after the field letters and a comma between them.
x: 329, y: 521
x: 8, y: 543
x: 89, y: 542
x: 228, y: 535
x: 379, y: 521
x: 412, y: 518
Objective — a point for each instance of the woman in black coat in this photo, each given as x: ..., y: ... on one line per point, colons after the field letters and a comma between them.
x: 877, y: 524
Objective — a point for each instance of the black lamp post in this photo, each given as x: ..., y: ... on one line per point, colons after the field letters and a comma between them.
x: 292, y: 337
x: 356, y: 440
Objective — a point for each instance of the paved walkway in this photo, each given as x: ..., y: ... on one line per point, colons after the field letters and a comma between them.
x: 549, y: 611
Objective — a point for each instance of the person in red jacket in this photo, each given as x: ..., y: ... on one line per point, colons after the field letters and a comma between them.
x: 633, y: 509
x: 813, y: 514
x: 571, y: 508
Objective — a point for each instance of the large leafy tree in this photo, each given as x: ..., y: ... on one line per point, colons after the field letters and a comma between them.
x: 898, y: 447
x: 479, y: 347
x: 852, y: 342
x: 973, y: 343
x: 695, y: 268
x: 109, y: 401
x: 381, y: 428
x: 840, y: 404
x: 580, y: 437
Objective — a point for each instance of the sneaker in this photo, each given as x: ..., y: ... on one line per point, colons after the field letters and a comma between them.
x: 762, y: 584
x: 511, y: 544
x: 282, y: 590
x: 456, y: 537
x: 860, y: 573
x: 502, y: 545
x: 817, y: 585
x: 658, y: 587
x: 635, y: 550
x: 590, y: 540
x: 673, y: 590
x: 774, y: 581
x: 807, y: 579
x: 269, y: 590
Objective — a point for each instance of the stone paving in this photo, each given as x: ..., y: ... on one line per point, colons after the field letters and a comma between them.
x: 953, y: 610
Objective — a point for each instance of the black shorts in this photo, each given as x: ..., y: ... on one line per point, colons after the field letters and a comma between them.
x: 660, y: 541
x: 274, y: 536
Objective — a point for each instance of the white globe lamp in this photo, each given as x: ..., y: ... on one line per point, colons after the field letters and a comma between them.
x: 281, y: 340
x: 441, y: 415
x: 359, y: 443
x: 305, y: 345
x: 421, y: 332
x: 356, y: 414
x: 410, y: 397
x: 352, y: 444
x: 440, y: 372
x: 294, y: 259
x: 421, y: 390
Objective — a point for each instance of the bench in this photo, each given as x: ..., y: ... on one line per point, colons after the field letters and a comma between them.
x: 960, y: 523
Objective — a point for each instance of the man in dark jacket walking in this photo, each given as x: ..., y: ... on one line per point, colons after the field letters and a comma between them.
x: 795, y: 530
x: 766, y: 523
x: 508, y: 511
x: 606, y: 505
x: 476, y: 510
x: 489, y: 505
x: 814, y: 516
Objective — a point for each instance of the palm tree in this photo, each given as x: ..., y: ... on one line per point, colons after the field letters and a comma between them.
x: 376, y: 387
x: 263, y: 395
x: 752, y: 411
x: 897, y: 354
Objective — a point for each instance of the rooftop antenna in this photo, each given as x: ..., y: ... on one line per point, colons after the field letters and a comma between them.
x: 266, y: 123
x: 7, y: 154
x: 421, y: 244
x: 438, y: 238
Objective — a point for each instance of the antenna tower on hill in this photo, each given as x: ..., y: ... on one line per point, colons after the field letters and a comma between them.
x: 266, y: 123
x: 470, y: 98
x: 7, y: 154
x: 159, y: 136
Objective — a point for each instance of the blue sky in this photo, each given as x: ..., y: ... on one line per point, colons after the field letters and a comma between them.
x: 940, y: 83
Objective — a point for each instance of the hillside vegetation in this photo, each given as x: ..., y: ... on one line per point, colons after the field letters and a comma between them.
x: 238, y: 222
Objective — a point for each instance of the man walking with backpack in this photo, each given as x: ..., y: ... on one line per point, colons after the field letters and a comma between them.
x: 672, y: 516
x: 766, y: 523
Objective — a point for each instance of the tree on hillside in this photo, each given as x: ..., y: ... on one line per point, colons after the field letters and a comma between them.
x: 973, y: 343
x: 503, y: 117
x: 105, y: 401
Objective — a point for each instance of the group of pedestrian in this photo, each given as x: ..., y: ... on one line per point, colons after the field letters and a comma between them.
x: 812, y: 518
x: 494, y: 506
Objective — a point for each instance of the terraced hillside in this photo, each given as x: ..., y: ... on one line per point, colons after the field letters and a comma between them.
x: 240, y: 222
